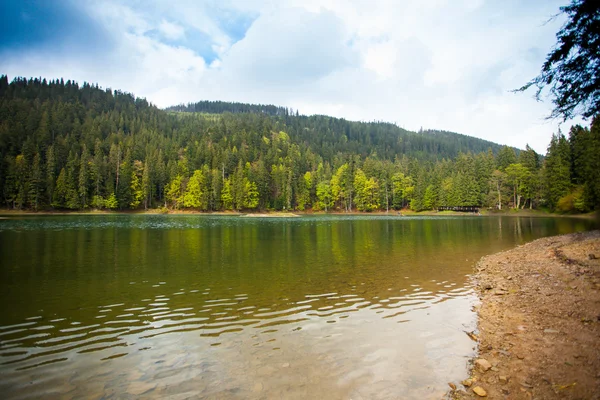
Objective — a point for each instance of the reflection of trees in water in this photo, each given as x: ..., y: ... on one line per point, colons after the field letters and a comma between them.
x: 227, y: 275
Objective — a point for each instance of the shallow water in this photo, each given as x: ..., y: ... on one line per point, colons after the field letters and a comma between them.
x: 227, y: 307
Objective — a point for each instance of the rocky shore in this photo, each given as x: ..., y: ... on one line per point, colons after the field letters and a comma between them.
x: 539, y: 322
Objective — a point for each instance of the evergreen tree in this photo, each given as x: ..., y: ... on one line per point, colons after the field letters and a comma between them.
x: 84, y: 177
x: 193, y: 196
x: 557, y: 168
x: 35, y: 183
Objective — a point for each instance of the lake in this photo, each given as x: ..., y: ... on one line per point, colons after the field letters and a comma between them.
x: 223, y: 307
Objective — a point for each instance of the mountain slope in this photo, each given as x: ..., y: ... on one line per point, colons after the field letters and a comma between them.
x: 63, y: 145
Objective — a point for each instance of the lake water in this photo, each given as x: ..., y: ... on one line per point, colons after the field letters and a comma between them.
x: 155, y: 306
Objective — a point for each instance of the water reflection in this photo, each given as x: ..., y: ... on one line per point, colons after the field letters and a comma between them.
x: 226, y: 308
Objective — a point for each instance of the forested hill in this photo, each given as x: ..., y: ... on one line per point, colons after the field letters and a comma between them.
x: 70, y: 146
x: 220, y: 107
x: 360, y: 137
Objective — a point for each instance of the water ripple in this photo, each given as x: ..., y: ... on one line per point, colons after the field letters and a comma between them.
x: 34, y: 343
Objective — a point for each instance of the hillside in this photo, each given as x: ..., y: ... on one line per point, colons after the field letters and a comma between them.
x: 67, y: 146
x: 364, y: 138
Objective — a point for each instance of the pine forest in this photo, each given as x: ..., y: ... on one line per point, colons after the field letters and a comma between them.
x: 69, y: 147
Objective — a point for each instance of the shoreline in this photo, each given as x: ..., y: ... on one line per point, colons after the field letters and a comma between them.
x: 538, y: 321
x: 283, y: 214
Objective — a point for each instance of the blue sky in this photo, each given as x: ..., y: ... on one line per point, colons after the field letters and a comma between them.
x: 444, y: 64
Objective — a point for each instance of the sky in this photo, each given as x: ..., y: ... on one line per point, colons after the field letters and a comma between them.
x: 431, y: 64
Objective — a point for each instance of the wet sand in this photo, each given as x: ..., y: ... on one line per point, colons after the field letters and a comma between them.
x: 539, y: 322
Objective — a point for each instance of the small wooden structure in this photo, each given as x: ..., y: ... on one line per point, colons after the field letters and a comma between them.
x: 473, y: 209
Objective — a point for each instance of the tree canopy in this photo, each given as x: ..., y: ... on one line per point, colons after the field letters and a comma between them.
x: 571, y: 71
x: 66, y: 146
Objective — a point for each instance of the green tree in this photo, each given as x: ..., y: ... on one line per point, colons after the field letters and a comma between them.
x: 342, y: 187
x: 531, y: 184
x: 111, y: 202
x: 367, y: 192
x: 35, y: 183
x: 174, y: 191
x: 557, y: 169
x: 324, y: 197
x: 505, y: 157
x: 97, y: 168
x: 50, y: 173
x: 61, y: 190
x: 571, y: 71
x: 136, y: 189
x: 497, y: 181
x: 226, y: 195
x: 194, y: 196
x: 250, y: 194
x: 517, y: 175
x: 303, y: 199
x: 402, y: 190
x: 84, y: 177
x: 430, y: 198
x: 147, y: 184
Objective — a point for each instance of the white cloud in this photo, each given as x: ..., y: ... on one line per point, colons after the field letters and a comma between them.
x: 434, y: 64
x: 171, y: 31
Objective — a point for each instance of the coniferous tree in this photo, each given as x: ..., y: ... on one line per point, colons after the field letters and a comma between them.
x: 557, y: 168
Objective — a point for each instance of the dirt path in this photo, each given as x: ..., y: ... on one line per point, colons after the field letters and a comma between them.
x: 539, y: 322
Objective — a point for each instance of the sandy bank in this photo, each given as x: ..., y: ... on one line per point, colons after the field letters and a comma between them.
x: 539, y: 321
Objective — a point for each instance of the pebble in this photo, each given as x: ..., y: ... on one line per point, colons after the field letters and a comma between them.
x: 482, y: 364
x: 479, y: 391
x: 503, y: 379
x: 452, y: 385
x: 467, y: 382
x: 258, y: 387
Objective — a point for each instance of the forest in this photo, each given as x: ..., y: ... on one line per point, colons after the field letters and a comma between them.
x: 79, y: 147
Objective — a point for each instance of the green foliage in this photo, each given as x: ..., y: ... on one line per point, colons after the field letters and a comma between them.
x: 111, y: 202
x: 250, y: 194
x: 573, y: 201
x: 324, y: 196
x: 402, y: 190
x: 558, y: 169
x: 367, y: 192
x: 506, y: 156
x: 517, y: 175
x: 303, y: 199
x: 571, y: 71
x: 135, y: 185
x: 99, y: 203
x: 226, y: 195
x: 35, y: 183
x: 70, y: 146
x: 430, y: 198
x: 193, y: 196
x: 174, y: 191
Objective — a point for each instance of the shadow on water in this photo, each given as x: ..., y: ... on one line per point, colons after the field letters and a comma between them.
x: 229, y: 307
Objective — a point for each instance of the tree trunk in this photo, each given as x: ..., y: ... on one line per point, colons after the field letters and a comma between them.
x: 499, y: 196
